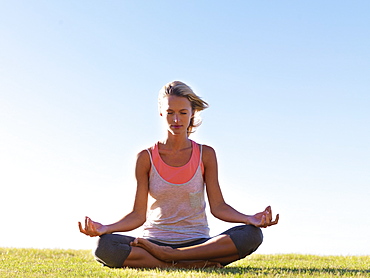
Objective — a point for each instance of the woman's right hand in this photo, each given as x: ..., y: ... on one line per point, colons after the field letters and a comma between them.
x: 92, y: 228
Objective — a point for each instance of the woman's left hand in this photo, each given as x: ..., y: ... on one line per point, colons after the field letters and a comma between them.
x: 263, y: 219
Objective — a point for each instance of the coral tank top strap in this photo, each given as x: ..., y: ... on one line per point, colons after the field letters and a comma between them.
x: 178, y: 175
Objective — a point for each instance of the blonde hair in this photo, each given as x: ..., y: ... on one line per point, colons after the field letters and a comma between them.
x: 180, y: 89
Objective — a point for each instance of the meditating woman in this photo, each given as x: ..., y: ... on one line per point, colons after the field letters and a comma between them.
x: 172, y: 177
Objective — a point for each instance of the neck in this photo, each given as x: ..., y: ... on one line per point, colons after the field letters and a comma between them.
x: 177, y: 142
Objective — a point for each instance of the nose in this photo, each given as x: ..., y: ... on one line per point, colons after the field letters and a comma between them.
x: 176, y: 118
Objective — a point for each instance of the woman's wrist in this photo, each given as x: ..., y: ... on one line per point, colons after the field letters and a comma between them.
x: 107, y: 229
x: 247, y: 220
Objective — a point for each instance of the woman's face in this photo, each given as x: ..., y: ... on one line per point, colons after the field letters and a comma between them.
x: 178, y: 112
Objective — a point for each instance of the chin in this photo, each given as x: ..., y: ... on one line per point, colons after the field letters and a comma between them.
x: 177, y: 132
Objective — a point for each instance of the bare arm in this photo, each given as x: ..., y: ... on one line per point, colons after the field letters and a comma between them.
x: 219, y: 208
x: 137, y: 216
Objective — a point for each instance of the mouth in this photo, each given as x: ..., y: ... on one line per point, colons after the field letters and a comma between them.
x: 176, y: 126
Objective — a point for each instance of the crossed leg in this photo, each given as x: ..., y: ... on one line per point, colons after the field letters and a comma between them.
x: 115, y: 251
x: 220, y: 249
x: 140, y: 258
x: 119, y: 251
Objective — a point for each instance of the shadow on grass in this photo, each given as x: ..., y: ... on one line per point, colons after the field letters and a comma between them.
x: 281, y: 270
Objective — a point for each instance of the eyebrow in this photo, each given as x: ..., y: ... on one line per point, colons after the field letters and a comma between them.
x: 183, y: 109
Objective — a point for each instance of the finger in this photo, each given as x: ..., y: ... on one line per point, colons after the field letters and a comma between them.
x: 135, y: 242
x: 86, y: 222
x: 267, y: 221
x: 81, y: 229
x: 91, y: 227
x: 263, y: 222
x: 268, y: 214
x: 271, y: 214
x: 275, y: 221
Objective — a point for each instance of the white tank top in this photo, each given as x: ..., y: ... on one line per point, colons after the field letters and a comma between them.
x: 176, y: 212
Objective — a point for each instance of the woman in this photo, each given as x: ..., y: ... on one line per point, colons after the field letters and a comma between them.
x: 175, y: 173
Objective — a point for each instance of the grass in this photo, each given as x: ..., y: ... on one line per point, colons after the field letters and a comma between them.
x: 80, y: 263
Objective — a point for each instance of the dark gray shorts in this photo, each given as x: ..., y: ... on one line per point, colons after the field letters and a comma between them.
x: 113, y: 249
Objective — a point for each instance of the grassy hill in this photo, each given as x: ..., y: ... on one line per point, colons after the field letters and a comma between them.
x: 80, y: 263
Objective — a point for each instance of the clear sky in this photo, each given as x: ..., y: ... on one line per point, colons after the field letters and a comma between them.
x: 288, y: 83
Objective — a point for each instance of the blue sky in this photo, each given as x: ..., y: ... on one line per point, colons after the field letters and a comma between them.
x: 288, y: 87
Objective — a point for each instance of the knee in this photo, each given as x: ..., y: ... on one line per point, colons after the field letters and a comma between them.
x: 103, y: 251
x: 111, y: 251
x: 247, y: 239
x: 254, y: 239
x: 257, y: 236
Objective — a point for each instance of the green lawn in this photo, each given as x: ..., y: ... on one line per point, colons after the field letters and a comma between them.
x: 80, y: 263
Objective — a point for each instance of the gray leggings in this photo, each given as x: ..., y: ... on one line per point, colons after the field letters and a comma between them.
x: 113, y: 249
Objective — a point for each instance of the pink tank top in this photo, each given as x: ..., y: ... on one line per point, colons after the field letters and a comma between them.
x: 176, y: 211
x: 178, y: 175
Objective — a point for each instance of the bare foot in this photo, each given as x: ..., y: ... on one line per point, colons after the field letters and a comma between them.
x: 171, y: 256
x: 163, y: 253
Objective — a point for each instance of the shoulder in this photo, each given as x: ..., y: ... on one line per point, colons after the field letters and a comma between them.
x: 208, y: 149
x: 143, y: 159
x: 209, y: 154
